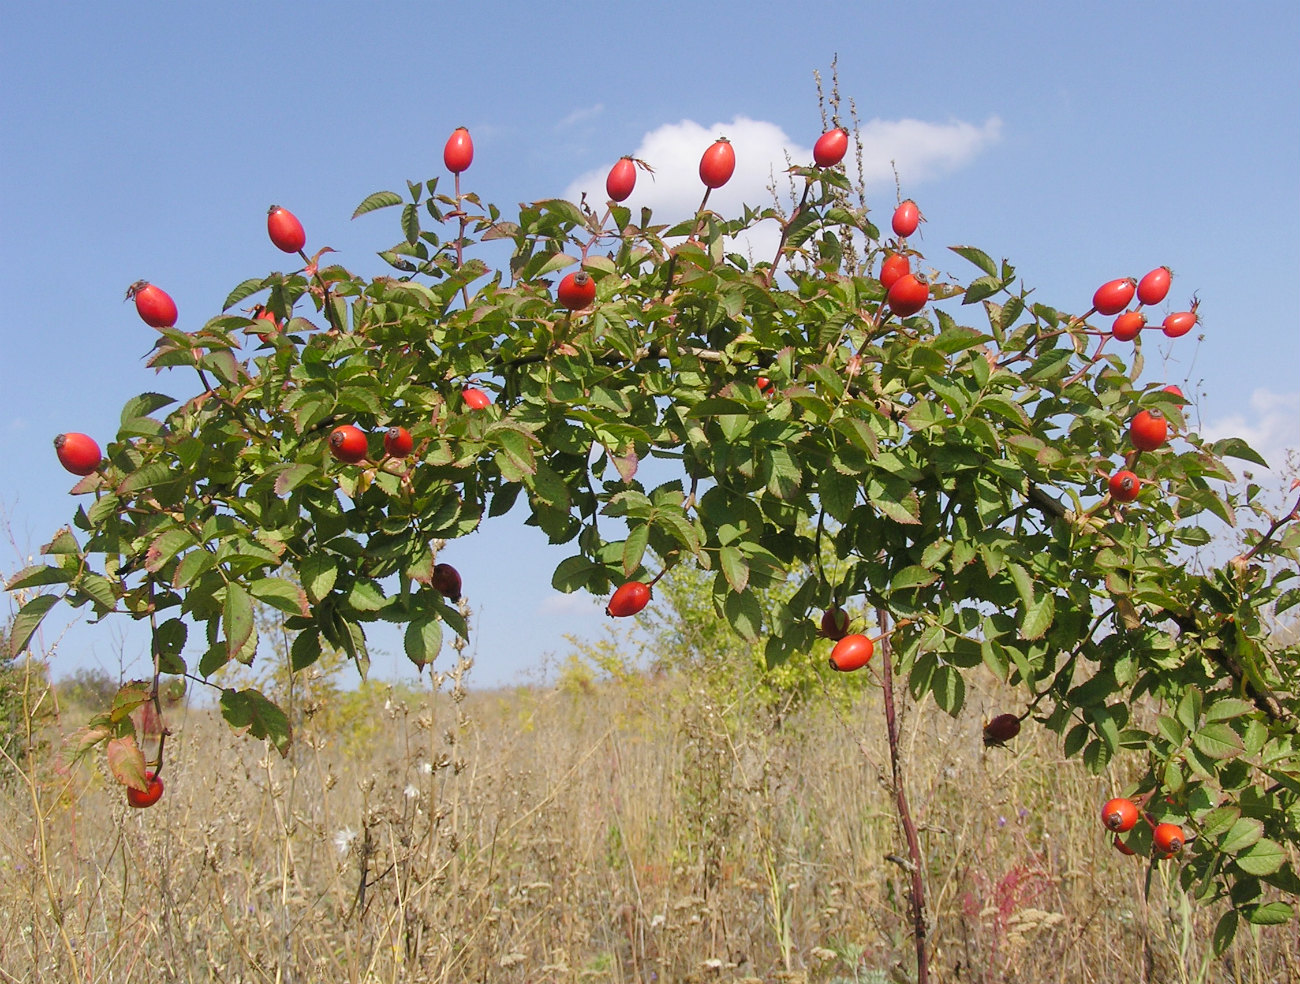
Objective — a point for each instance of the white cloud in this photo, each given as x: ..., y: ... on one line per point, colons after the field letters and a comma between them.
x: 1271, y: 427
x: 763, y: 153
x: 921, y: 150
x: 581, y: 115
x: 578, y: 603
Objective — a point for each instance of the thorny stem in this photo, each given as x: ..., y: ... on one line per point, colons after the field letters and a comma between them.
x: 1090, y: 363
x: 1268, y: 536
x: 672, y: 260
x: 460, y: 255
x: 916, y: 897
x: 785, y: 233
x: 157, y: 672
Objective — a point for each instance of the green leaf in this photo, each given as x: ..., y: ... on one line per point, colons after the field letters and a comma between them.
x: 913, y: 577
x: 982, y: 287
x: 1264, y: 858
x: 143, y: 405
x: 39, y: 575
x: 1038, y: 618
x: 576, y: 573
x: 1224, y: 931
x: 249, y: 710
x: 247, y: 289
x: 1217, y: 741
x: 1246, y: 832
x: 1217, y: 821
x: 423, y: 640
x: 734, y: 567
x: 317, y: 573
x: 380, y: 199
x: 306, y: 649
x: 744, y: 614
x: 367, y: 596
x: 168, y: 641
x: 1225, y: 708
x: 28, y: 619
x: 146, y: 477
x: 977, y: 256
x: 949, y: 688
x: 280, y: 594
x: 237, y: 618
x: 292, y: 476
x: 1269, y: 913
x: 1235, y: 447
x: 634, y: 547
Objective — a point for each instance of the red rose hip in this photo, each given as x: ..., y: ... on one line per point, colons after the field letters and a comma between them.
x: 852, y: 653
x: 77, y: 453
x: 285, y: 230
x: 629, y: 599
x: 830, y: 147
x: 348, y: 444
x: 621, y: 180
x: 154, y: 305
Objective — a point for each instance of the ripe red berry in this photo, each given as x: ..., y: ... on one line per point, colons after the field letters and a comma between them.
x: 1148, y: 430
x: 1154, y: 287
x: 1001, y: 729
x: 1124, y: 486
x: 141, y: 798
x: 1122, y: 847
x: 629, y: 599
x: 830, y: 147
x: 765, y: 385
x: 1113, y: 297
x: 348, y: 444
x: 262, y: 314
x: 77, y: 453
x: 446, y: 581
x: 576, y: 291
x: 285, y: 230
x: 1119, y: 815
x: 907, y: 218
x: 458, y: 154
x: 1168, y: 838
x: 621, y: 180
x: 475, y: 398
x: 852, y: 653
x: 894, y: 266
x: 1127, y: 325
x: 1175, y: 391
x: 398, y: 442
x: 718, y: 163
x: 908, y: 295
x: 1179, y: 323
x: 153, y: 304
x: 835, y: 623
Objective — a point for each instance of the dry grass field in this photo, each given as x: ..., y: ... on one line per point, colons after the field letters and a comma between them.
x: 634, y: 828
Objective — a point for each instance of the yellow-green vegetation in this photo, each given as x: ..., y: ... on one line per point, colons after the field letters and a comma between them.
x: 663, y: 825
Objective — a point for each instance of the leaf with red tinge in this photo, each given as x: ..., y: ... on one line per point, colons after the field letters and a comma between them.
x: 237, y: 618
x: 129, y: 696
x: 249, y: 710
x: 314, y: 265
x: 291, y: 477
x: 280, y: 594
x: 37, y: 576
x: 626, y: 464
x: 126, y: 762
x: 28, y: 619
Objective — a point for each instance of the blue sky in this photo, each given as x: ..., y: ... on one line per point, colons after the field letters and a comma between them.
x: 1084, y: 142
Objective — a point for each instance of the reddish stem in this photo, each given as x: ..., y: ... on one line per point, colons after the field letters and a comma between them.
x: 916, y: 897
